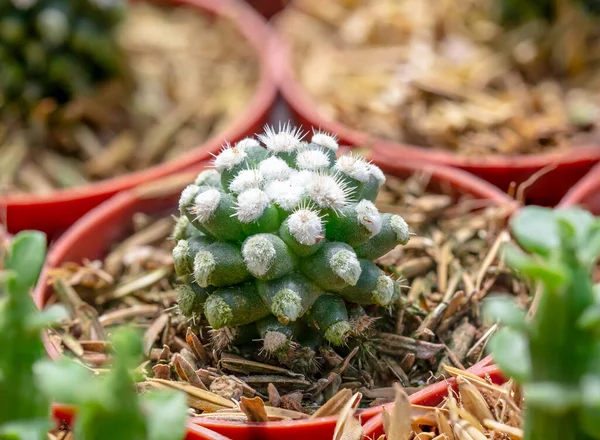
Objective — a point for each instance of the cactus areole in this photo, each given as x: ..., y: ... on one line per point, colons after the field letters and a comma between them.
x: 281, y: 235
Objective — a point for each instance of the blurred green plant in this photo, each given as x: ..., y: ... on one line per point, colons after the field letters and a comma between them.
x: 514, y: 12
x: 556, y: 353
x: 24, y: 412
x: 108, y: 404
x: 56, y: 49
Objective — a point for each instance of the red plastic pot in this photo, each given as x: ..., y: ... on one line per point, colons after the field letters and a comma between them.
x: 571, y: 164
x: 91, y: 236
x: 66, y: 414
x: 586, y: 193
x: 60, y: 209
x: 374, y: 427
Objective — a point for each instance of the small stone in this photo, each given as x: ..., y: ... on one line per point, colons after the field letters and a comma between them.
x: 227, y: 387
x: 292, y: 401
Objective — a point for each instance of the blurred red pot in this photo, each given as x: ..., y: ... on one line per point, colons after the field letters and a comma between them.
x: 569, y: 165
x: 55, y: 212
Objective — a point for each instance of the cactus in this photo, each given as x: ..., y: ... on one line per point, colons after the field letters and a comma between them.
x: 282, y: 237
x: 56, y: 49
x: 556, y: 353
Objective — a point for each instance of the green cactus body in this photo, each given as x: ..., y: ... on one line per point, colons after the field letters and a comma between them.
x: 394, y: 231
x: 215, y: 212
x: 191, y: 298
x: 185, y: 251
x: 233, y: 306
x: 267, y: 257
x: 297, y: 214
x: 373, y: 286
x: 303, y: 231
x: 219, y: 264
x: 356, y: 225
x: 276, y: 336
x: 288, y: 297
x: 334, y: 267
x: 556, y: 354
x: 329, y: 315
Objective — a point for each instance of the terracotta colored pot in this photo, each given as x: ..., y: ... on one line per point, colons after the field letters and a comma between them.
x: 571, y: 164
x: 374, y: 427
x: 586, y: 193
x: 91, y: 236
x: 60, y: 209
x: 66, y: 414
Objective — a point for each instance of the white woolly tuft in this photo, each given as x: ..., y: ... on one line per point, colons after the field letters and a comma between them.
x: 400, y: 227
x: 258, y: 254
x: 312, y: 160
x: 204, y: 266
x: 345, y: 264
x: 285, y: 194
x: 306, y: 226
x: 329, y: 192
x: 302, y: 178
x: 384, y: 291
x: 354, y: 166
x: 228, y: 158
x: 285, y: 140
x: 326, y: 140
x: 274, y: 168
x: 376, y: 172
x: 368, y: 216
x: 245, y: 180
x: 204, y: 176
x: 187, y: 197
x: 250, y: 205
x: 246, y: 143
x: 205, y: 205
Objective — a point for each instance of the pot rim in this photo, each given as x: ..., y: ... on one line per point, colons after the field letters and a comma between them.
x: 97, y: 218
x: 257, y: 33
x: 587, y: 186
x: 304, y: 105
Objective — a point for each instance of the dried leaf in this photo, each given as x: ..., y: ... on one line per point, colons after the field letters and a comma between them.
x: 347, y: 426
x: 397, y: 419
x: 197, y: 398
x: 254, y: 409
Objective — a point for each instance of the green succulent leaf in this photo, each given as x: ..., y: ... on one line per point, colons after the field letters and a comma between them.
x: 31, y: 429
x: 47, y: 317
x: 590, y: 318
x: 554, y: 398
x: 590, y: 249
x: 551, y: 273
x: 165, y: 414
x: 590, y: 412
x: 503, y: 309
x: 26, y: 257
x: 580, y: 221
x: 510, y: 350
x: 536, y: 230
x: 65, y: 381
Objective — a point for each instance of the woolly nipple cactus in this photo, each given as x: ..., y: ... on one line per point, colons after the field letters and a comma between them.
x: 278, y: 240
x: 556, y: 353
